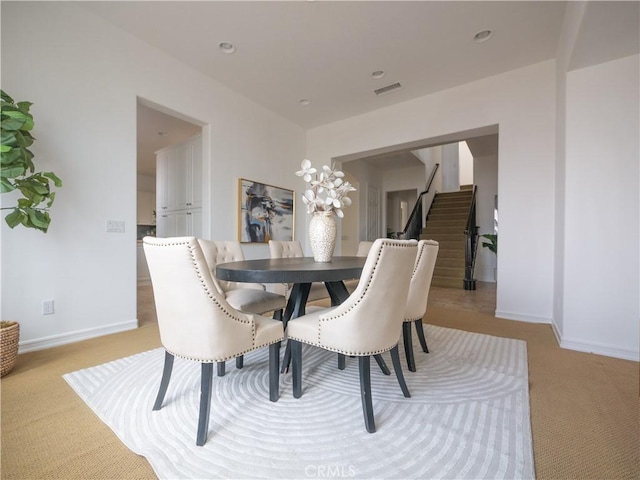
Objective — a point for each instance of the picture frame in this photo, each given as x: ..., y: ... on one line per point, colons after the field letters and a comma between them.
x: 265, y: 212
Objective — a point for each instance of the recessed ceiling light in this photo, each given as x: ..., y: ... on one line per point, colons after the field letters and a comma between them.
x: 377, y: 74
x: 482, y: 36
x: 226, y: 47
x: 304, y: 101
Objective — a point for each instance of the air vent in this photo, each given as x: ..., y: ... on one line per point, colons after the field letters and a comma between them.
x: 387, y: 89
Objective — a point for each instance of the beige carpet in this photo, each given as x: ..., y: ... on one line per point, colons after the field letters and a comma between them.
x: 584, y: 408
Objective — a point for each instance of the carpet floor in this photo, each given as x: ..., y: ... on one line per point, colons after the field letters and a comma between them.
x: 584, y: 407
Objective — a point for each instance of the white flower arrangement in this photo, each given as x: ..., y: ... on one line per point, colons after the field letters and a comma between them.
x: 328, y: 181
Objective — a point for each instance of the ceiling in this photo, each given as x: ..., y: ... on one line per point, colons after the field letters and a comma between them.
x: 326, y: 52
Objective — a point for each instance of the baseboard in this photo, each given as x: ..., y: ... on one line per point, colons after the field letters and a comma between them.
x: 578, y: 346
x: 78, y: 335
x: 521, y: 318
x: 600, y: 349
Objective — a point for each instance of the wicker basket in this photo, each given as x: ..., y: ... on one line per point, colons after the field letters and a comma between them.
x: 9, y: 336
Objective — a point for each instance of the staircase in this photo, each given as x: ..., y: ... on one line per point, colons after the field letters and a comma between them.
x: 446, y: 222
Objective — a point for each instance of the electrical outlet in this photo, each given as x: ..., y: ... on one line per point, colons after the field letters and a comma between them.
x: 47, y: 307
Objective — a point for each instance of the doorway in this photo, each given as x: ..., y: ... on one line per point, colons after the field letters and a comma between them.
x: 157, y: 128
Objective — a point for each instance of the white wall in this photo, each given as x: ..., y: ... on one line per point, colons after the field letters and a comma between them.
x: 485, y: 170
x: 450, y: 168
x: 465, y: 160
x: 522, y: 103
x: 84, y: 76
x: 601, y: 260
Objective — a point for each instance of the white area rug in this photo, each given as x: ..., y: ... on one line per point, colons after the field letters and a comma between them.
x: 468, y: 416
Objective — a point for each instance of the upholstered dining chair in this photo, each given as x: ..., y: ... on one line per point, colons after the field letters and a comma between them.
x: 363, y: 250
x: 418, y: 297
x: 292, y: 249
x: 246, y: 297
x: 368, y: 323
x: 197, y: 323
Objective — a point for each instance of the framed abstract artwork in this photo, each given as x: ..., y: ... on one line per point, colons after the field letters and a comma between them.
x: 265, y: 212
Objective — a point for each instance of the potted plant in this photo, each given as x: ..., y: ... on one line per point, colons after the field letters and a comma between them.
x: 492, y: 243
x: 31, y: 208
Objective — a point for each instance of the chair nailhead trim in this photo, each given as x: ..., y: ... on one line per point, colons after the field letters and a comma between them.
x: 213, y: 298
x: 344, y: 352
x: 224, y: 359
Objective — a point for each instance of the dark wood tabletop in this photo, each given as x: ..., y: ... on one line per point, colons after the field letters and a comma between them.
x: 291, y: 270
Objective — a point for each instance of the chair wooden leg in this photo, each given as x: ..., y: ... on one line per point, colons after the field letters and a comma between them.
x: 342, y: 361
x: 240, y: 361
x: 296, y: 364
x: 408, y: 346
x: 221, y: 369
x: 365, y: 392
x: 206, y: 382
x: 274, y: 371
x: 382, y: 364
x: 286, y: 360
x: 164, y: 383
x: 395, y: 358
x: 420, y: 332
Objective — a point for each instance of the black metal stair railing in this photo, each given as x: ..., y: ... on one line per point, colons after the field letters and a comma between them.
x: 414, y: 224
x: 470, y: 245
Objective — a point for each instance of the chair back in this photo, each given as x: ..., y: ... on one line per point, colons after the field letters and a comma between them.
x: 283, y: 249
x: 370, y: 320
x: 194, y: 319
x: 421, y: 279
x: 223, y: 251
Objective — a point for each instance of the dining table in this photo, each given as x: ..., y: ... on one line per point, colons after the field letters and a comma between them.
x: 301, y: 272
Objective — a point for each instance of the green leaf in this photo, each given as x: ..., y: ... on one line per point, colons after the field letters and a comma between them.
x: 5, y: 97
x: 25, y: 203
x: 12, y: 156
x: 24, y: 139
x: 13, y: 124
x: 16, y: 114
x: 12, y: 172
x: 38, y: 219
x: 52, y: 197
x: 6, y: 186
x: 15, y: 218
x: 9, y: 139
x: 24, y: 106
x: 56, y: 181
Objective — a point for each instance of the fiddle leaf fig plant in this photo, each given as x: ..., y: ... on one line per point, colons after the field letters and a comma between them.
x: 18, y: 171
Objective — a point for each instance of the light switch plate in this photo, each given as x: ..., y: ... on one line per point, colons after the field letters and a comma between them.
x: 115, y: 226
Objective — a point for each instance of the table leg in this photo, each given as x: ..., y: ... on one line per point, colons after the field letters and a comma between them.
x: 337, y: 292
x: 295, y: 308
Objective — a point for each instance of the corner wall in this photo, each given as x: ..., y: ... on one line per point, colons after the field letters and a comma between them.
x: 601, y: 309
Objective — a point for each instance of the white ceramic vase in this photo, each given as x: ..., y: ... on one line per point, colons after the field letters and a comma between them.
x: 322, y: 235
